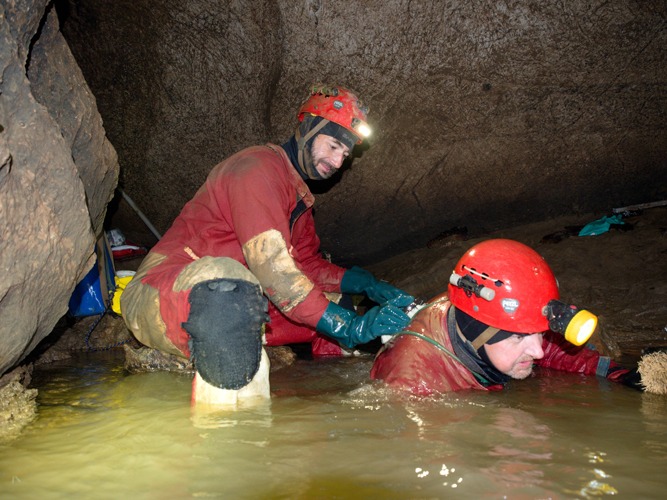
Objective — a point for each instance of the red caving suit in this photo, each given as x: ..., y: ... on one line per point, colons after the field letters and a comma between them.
x: 252, y: 204
x: 414, y: 365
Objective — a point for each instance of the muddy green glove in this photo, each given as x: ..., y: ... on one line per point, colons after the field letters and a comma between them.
x: 358, y: 280
x: 350, y: 329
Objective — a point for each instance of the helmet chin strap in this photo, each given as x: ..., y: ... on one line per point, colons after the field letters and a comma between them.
x: 301, y: 142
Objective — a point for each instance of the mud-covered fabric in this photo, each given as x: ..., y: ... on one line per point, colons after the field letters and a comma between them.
x: 154, y: 309
x: 225, y: 326
x: 250, y: 193
x: 281, y: 331
x: 141, y: 306
x: 269, y: 260
x: 414, y: 365
x: 559, y: 354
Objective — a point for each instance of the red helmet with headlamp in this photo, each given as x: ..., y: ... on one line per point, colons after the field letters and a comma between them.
x: 508, y: 285
x: 338, y: 105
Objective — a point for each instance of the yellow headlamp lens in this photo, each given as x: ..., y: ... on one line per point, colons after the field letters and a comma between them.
x: 581, y: 327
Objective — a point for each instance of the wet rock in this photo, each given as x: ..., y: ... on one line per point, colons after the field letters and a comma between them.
x: 280, y: 356
x: 57, y: 172
x: 485, y: 114
x: 560, y: 235
x: 604, y: 340
x: 445, y: 238
x: 58, y: 84
x: 18, y: 405
x: 144, y: 359
x: 92, y: 333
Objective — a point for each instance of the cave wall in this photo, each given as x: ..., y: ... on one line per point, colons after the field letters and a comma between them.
x: 180, y: 86
x: 57, y: 174
x: 494, y: 114
x: 486, y: 114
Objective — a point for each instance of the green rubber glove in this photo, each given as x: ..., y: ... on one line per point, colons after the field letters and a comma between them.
x: 350, y: 329
x: 358, y: 280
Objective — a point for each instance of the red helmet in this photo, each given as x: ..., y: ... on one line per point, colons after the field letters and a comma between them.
x: 338, y: 105
x: 504, y: 284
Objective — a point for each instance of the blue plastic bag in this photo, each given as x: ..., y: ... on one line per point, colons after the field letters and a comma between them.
x: 600, y: 226
x: 89, y: 298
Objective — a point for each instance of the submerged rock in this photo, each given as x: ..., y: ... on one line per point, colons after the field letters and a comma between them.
x: 280, y: 356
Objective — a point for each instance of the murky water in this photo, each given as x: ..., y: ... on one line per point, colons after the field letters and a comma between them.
x: 330, y: 433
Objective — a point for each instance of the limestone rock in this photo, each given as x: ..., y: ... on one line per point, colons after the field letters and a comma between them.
x: 46, y: 236
x: 280, y: 356
x: 18, y: 405
x: 58, y: 84
x: 144, y: 359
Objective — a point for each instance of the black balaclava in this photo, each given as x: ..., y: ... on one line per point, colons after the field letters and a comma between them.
x: 476, y: 360
x: 299, y: 146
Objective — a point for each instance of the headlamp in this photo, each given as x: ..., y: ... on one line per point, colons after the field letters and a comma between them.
x: 577, y: 325
x: 361, y: 127
x: 470, y: 286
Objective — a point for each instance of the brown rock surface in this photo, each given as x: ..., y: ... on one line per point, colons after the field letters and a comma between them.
x: 53, y: 156
x: 18, y: 405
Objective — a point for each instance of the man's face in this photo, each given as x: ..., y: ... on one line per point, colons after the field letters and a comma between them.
x: 514, y: 356
x: 328, y: 155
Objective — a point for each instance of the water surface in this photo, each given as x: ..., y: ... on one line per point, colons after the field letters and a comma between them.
x: 329, y: 432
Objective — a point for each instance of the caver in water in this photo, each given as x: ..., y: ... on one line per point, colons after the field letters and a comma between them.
x: 501, y: 316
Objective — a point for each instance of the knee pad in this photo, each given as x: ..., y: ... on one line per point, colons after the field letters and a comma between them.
x: 225, y: 328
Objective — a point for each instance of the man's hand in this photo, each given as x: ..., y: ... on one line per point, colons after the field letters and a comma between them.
x: 350, y: 329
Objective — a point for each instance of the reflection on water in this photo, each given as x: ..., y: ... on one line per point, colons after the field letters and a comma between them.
x: 330, y: 433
